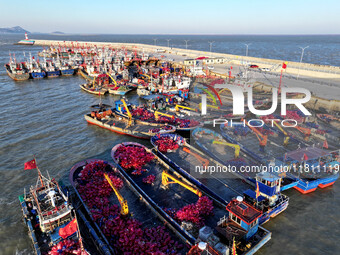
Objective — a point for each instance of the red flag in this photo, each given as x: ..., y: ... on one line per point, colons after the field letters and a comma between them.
x: 305, y: 157
x: 69, y: 229
x: 325, y: 144
x: 284, y: 65
x: 30, y: 165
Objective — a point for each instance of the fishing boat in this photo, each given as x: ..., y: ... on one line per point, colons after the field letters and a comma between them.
x: 221, y: 185
x: 143, y: 116
x: 307, y: 130
x: 49, y: 218
x: 88, y: 72
x: 195, y: 217
x: 104, y: 117
x: 142, y: 91
x: 120, y: 90
x: 35, y: 69
x: 116, y: 216
x: 50, y: 69
x: 17, y: 71
x: 96, y: 90
x: 67, y: 71
x: 311, y: 166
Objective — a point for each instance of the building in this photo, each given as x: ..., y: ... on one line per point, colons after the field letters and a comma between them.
x: 204, y: 60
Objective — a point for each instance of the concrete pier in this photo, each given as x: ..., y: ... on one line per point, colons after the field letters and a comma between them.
x: 323, y: 81
x: 293, y: 68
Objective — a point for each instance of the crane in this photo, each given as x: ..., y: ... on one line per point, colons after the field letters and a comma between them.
x: 286, y: 139
x: 165, y: 181
x: 209, y: 105
x: 306, y: 131
x: 127, y: 112
x: 123, y: 203
x: 184, y: 107
x: 236, y: 146
x: 114, y: 81
x: 204, y: 162
x: 263, y: 139
x: 157, y: 113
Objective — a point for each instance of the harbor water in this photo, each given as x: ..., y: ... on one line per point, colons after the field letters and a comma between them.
x: 45, y: 118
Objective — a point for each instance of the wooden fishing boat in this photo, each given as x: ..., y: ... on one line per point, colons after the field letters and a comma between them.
x: 85, y: 75
x: 19, y: 73
x: 114, y: 212
x: 143, y: 116
x: 105, y: 118
x: 48, y: 215
x: 271, y: 147
x: 93, y: 90
x: 176, y: 199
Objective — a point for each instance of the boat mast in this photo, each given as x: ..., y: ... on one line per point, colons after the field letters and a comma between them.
x: 39, y: 173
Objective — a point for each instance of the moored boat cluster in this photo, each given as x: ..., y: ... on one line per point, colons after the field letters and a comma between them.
x: 212, y: 186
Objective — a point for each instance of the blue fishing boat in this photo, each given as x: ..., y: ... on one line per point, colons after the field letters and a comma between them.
x: 310, y: 166
x: 38, y: 75
x: 67, y: 72
x: 35, y: 70
x: 51, y: 70
x: 222, y: 187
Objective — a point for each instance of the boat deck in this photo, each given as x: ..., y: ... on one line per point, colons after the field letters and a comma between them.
x: 225, y: 184
x: 174, y: 196
x: 273, y: 149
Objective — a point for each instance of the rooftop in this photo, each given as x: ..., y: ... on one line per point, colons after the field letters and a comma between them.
x: 243, y: 210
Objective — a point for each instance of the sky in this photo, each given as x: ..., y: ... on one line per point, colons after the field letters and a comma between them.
x: 174, y: 16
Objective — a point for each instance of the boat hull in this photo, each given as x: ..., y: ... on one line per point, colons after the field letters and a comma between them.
x: 93, y: 91
x: 38, y: 75
x: 122, y: 131
x: 67, y: 72
x: 119, y: 92
x: 52, y: 74
x: 302, y: 185
x: 28, y: 222
x: 308, y: 186
x: 85, y: 75
x: 17, y: 77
